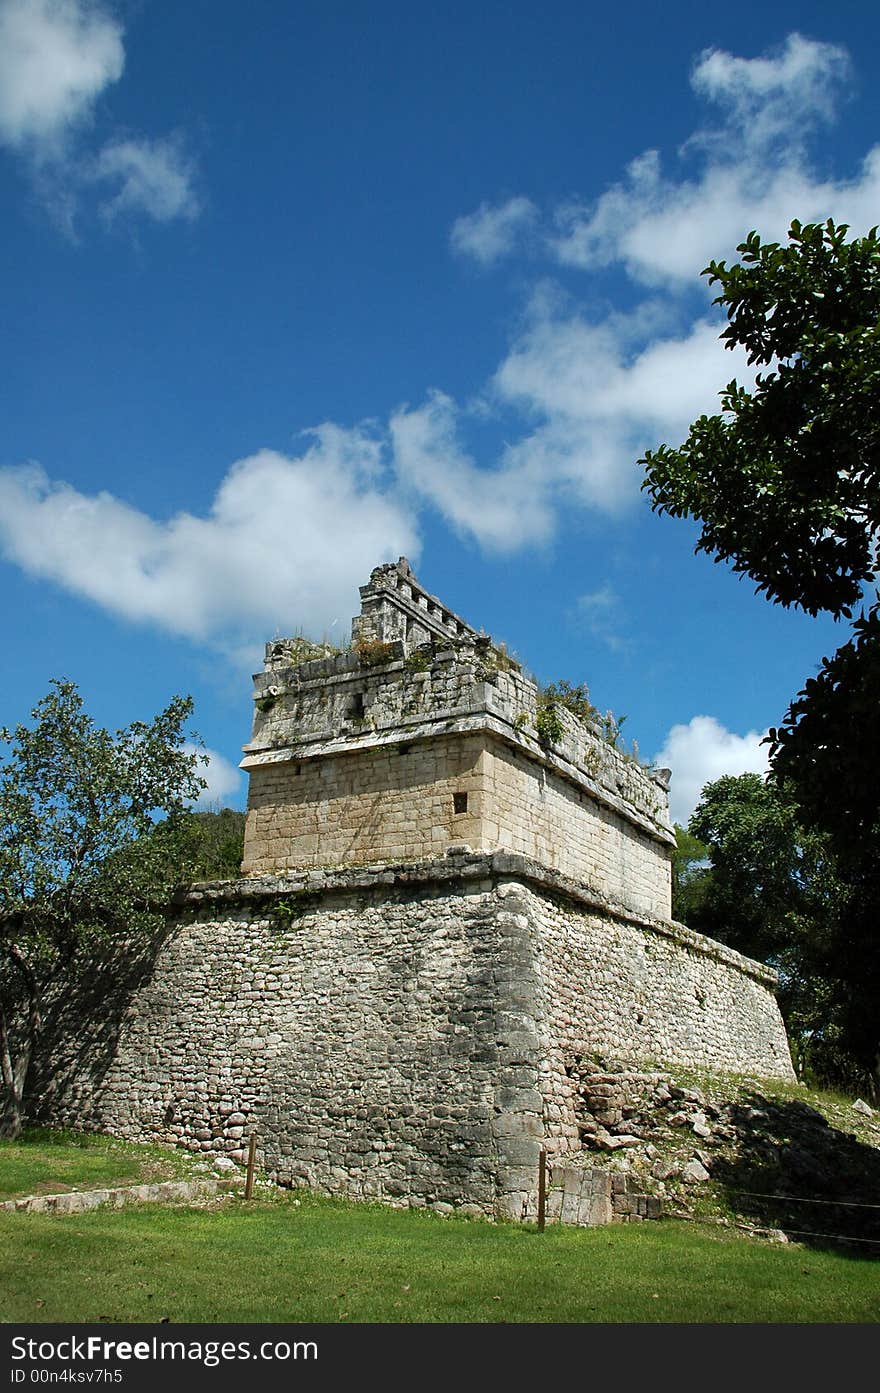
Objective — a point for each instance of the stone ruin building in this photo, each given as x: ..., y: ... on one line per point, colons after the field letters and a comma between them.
x: 454, y: 906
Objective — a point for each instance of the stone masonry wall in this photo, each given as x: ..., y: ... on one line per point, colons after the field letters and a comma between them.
x: 407, y: 1033
x: 645, y: 992
x: 377, y: 1040
x: 337, y: 704
x: 383, y: 804
x: 425, y: 735
x: 403, y: 803
x: 535, y: 812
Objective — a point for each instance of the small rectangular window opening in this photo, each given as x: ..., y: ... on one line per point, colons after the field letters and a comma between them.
x: 459, y: 802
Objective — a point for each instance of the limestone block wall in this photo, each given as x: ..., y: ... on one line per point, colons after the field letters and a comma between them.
x: 409, y: 1035
x: 339, y: 702
x: 380, y: 804
x: 393, y: 803
x: 531, y: 809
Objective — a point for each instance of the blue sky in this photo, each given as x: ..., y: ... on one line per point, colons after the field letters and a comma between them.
x: 291, y: 289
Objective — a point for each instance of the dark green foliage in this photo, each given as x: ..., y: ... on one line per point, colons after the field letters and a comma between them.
x: 829, y: 743
x: 785, y: 479
x: 213, y: 847
x: 84, y: 869
x: 785, y: 482
x: 773, y: 889
x: 688, y: 878
x: 763, y: 872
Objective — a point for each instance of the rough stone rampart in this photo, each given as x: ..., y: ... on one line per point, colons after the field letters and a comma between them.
x: 407, y: 1032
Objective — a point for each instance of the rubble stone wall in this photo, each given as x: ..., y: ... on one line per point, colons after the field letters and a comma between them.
x: 407, y: 1033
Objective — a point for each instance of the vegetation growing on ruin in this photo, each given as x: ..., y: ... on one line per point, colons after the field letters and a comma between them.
x: 373, y: 652
x: 576, y: 699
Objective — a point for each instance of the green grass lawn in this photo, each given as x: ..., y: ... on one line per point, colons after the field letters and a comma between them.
x: 45, y: 1162
x: 306, y: 1259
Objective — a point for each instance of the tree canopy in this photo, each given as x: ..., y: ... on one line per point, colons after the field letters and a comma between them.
x: 770, y: 887
x: 785, y: 480
x: 785, y: 483
x: 92, y: 839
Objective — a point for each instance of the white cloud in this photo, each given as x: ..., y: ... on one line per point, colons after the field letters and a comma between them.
x: 600, y: 402
x: 503, y: 508
x: 223, y: 779
x: 56, y: 58
x: 590, y: 402
x: 286, y: 543
x: 701, y: 751
x: 600, y: 612
x: 755, y: 172
x: 592, y: 393
x: 492, y: 232
x: 155, y: 177
x: 579, y: 396
x: 778, y: 98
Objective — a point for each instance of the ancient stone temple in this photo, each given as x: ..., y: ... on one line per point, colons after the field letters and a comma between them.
x: 424, y: 736
x: 455, y: 895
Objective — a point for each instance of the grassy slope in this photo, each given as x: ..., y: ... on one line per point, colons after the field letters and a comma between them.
x: 315, y: 1260
x: 305, y: 1258
x: 44, y: 1162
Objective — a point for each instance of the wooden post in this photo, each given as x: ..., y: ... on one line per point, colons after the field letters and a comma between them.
x: 542, y: 1189
x: 252, y: 1156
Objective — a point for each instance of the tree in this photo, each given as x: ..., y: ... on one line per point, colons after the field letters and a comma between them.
x: 689, y: 861
x: 771, y: 890
x: 215, y: 845
x: 85, y: 861
x: 785, y: 482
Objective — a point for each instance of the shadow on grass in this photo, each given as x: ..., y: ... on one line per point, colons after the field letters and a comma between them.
x: 795, y: 1172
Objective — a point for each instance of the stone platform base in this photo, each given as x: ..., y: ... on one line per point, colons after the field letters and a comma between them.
x: 410, y: 1033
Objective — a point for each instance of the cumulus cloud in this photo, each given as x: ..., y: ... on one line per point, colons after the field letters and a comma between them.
x: 600, y: 401
x: 755, y: 172
x: 492, y: 232
x: 269, y: 555
x: 155, y: 177
x: 222, y: 778
x: 591, y: 402
x: 588, y: 393
x: 576, y: 399
x: 56, y: 58
x: 701, y: 751
x: 503, y: 508
x: 775, y: 97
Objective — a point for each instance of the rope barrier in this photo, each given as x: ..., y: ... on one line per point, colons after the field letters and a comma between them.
x: 801, y: 1199
x: 748, y: 1228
